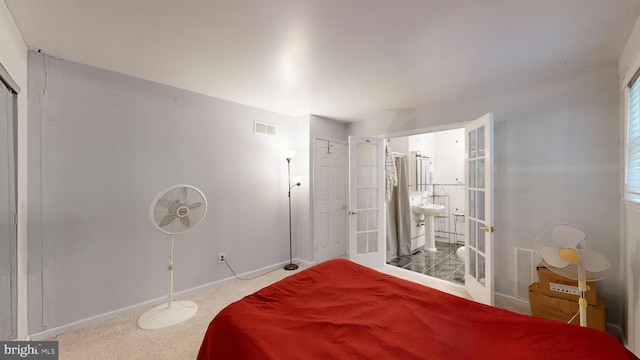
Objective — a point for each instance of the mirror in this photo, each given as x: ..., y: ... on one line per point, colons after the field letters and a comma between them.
x: 423, y: 172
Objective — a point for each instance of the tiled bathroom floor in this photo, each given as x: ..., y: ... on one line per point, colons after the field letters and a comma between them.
x: 442, y: 264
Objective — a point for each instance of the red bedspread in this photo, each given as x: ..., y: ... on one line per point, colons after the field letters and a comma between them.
x: 341, y: 310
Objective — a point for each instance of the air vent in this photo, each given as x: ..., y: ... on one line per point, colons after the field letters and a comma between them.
x: 525, y: 272
x: 264, y: 128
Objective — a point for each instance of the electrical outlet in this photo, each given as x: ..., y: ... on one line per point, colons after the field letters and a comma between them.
x: 221, y: 258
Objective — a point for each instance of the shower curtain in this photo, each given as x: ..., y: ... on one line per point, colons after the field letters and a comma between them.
x: 398, y: 214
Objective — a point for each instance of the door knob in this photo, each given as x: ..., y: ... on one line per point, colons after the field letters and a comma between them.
x: 488, y: 229
x: 353, y: 212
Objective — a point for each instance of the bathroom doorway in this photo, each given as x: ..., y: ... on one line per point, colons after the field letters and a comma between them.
x: 435, y: 175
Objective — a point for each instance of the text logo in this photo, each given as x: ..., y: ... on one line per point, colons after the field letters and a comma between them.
x: 32, y: 350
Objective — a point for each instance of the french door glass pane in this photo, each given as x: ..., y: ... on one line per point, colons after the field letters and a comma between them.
x: 361, y: 197
x: 472, y: 144
x: 366, y: 154
x: 481, y: 270
x: 480, y: 173
x: 372, y: 223
x: 472, y: 173
x: 373, y: 242
x: 481, y: 240
x: 361, y: 240
x: 361, y: 221
x: 366, y: 175
x: 481, y: 141
x: 472, y: 203
x: 372, y: 198
x: 472, y: 262
x: 473, y: 228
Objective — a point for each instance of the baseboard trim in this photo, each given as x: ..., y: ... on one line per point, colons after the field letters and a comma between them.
x: 512, y: 298
x: 77, y: 325
x: 617, y: 332
x: 512, y: 303
x: 613, y: 329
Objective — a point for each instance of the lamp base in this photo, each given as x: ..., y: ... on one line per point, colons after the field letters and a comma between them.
x: 291, y: 267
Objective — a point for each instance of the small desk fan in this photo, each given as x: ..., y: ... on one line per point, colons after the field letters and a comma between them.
x: 575, y: 252
x: 175, y: 210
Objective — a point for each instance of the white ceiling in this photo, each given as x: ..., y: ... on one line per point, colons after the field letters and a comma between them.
x: 343, y: 59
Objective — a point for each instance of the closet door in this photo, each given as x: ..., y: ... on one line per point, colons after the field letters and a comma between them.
x: 8, y: 239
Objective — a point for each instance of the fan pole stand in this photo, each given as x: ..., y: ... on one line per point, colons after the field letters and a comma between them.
x: 582, y: 302
x: 171, y: 313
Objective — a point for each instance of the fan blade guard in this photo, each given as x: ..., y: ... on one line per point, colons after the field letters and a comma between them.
x: 594, y: 261
x: 567, y: 237
x: 552, y: 257
x: 178, y: 209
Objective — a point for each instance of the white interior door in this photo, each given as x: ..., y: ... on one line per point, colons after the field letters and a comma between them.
x: 478, y: 278
x: 366, y: 201
x: 330, y: 199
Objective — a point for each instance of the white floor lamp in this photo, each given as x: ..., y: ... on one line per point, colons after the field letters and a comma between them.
x: 296, y: 182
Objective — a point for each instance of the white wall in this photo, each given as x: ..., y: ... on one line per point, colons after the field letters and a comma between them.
x: 557, y: 158
x: 449, y: 156
x: 301, y: 212
x: 102, y: 145
x: 449, y: 172
x: 14, y: 58
x: 329, y: 129
x: 629, y: 246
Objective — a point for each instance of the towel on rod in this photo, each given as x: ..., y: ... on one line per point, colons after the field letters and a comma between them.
x: 391, y: 173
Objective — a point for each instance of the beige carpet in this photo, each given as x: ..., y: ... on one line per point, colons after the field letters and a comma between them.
x: 121, y: 338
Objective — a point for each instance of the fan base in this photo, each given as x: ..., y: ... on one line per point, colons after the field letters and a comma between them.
x: 291, y: 267
x: 163, y: 316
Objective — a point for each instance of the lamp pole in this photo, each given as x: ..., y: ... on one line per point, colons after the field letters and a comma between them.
x: 290, y: 265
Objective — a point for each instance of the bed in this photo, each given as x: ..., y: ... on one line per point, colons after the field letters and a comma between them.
x: 342, y: 310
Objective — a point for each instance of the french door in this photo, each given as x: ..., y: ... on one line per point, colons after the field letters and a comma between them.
x: 478, y: 279
x: 366, y: 201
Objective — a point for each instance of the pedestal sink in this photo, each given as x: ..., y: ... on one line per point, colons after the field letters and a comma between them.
x: 427, y: 209
x: 426, y: 213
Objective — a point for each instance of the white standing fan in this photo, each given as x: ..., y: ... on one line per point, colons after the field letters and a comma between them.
x: 575, y: 252
x: 175, y: 210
